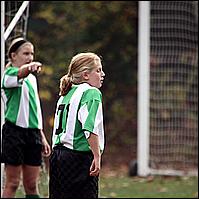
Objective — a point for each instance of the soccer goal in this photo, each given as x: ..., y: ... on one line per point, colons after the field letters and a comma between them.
x: 14, y: 19
x: 168, y: 88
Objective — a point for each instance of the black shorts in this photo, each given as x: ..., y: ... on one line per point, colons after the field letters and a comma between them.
x: 69, y: 174
x: 21, y: 145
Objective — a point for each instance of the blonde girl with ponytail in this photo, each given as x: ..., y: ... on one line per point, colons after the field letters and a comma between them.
x: 78, y: 132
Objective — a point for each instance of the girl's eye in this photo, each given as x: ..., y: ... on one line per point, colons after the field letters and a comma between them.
x: 29, y: 53
x: 99, y: 70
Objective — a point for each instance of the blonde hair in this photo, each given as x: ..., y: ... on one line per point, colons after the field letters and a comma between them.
x: 79, y: 63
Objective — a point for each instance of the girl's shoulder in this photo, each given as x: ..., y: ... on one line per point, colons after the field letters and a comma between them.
x: 11, y: 70
x: 92, y: 93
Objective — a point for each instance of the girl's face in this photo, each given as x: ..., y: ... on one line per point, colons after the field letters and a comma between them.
x: 96, y: 76
x: 23, y: 55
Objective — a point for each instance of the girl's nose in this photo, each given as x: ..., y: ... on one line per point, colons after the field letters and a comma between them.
x: 30, y: 58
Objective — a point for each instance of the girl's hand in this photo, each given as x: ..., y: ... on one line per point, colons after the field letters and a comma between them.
x: 95, y: 167
x: 34, y: 67
x: 46, y: 149
x: 29, y: 68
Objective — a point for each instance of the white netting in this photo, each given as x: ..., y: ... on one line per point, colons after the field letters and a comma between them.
x: 20, y: 29
x: 9, y: 12
x: 174, y: 85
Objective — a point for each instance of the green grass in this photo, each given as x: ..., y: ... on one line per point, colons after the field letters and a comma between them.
x: 151, y: 187
x: 118, y: 185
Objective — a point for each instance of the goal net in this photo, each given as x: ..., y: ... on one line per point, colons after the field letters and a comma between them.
x: 173, y: 88
x: 14, y: 19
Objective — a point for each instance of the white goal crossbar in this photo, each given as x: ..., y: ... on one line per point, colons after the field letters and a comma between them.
x: 15, y: 19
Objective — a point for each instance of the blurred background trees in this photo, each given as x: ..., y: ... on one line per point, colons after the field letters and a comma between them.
x: 61, y: 29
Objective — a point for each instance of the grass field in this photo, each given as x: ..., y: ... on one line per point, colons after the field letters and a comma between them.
x: 117, y: 184
x: 122, y: 186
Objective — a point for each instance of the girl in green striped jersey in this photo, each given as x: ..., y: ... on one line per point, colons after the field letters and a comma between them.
x: 78, y: 133
x: 23, y: 140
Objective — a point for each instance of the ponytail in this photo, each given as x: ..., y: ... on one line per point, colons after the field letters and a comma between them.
x: 65, y: 84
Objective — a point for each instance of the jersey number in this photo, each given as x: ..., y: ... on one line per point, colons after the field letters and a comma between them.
x: 61, y: 108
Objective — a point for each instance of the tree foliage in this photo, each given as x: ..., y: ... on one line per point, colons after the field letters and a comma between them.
x: 60, y: 29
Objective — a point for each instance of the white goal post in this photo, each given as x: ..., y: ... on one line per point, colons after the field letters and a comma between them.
x: 167, y: 88
x: 143, y: 87
x: 20, y: 9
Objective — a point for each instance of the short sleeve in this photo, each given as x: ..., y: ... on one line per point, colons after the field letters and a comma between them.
x: 10, y: 78
x: 90, y: 102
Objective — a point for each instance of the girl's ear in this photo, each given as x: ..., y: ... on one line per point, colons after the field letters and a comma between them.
x: 85, y: 75
x: 13, y: 55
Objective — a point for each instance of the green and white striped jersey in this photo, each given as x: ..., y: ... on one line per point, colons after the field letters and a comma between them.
x: 78, y: 114
x: 20, y: 96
